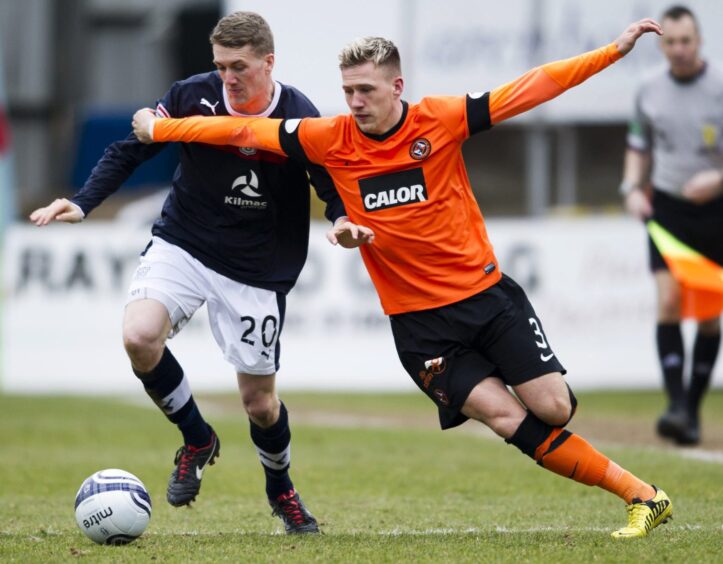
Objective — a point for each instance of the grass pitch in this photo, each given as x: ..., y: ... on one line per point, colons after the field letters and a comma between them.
x: 384, y: 482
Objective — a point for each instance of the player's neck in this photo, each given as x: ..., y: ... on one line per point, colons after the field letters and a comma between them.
x: 260, y: 103
x: 392, y: 119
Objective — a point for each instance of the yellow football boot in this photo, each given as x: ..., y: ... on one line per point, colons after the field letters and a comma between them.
x: 644, y: 516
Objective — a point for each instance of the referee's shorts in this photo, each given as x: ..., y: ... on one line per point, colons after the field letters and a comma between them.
x: 699, y: 226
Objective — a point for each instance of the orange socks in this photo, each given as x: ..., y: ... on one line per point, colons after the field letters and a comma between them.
x: 622, y: 483
x: 572, y: 456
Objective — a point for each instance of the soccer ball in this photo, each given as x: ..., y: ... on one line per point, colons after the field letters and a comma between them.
x: 112, y: 507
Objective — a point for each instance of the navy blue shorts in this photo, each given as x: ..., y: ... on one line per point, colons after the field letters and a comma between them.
x: 449, y: 350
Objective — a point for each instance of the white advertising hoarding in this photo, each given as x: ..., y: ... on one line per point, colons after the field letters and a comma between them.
x: 65, y: 286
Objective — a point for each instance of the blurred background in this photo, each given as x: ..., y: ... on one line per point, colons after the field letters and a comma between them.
x: 73, y: 71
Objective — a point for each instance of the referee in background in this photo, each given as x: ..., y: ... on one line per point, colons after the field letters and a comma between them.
x: 675, y: 146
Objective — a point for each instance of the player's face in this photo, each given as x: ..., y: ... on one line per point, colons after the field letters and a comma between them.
x: 373, y: 96
x: 246, y: 77
x: 681, y: 44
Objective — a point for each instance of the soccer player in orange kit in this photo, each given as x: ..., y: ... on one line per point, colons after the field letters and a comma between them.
x: 463, y: 330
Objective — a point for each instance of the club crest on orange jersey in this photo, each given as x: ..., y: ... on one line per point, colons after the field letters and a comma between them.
x: 420, y: 149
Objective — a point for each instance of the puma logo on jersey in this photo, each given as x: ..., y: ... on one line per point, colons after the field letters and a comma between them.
x: 392, y: 190
x: 206, y: 103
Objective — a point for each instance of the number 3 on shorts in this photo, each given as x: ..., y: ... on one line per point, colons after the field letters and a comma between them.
x: 537, y: 330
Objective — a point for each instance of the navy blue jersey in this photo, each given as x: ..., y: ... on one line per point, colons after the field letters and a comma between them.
x: 242, y: 212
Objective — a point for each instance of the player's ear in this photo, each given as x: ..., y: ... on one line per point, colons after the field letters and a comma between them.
x: 269, y: 60
x: 398, y: 86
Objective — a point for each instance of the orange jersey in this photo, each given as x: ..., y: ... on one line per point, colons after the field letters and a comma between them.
x: 410, y: 185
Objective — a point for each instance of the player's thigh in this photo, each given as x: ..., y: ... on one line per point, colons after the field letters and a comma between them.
x: 491, y: 402
x: 548, y: 397
x: 246, y: 322
x: 145, y: 321
x: 168, y: 275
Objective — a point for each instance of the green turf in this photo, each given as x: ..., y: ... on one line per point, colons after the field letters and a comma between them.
x: 407, y: 492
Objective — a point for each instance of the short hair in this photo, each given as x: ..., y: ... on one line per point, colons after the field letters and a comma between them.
x: 377, y: 50
x: 239, y: 29
x: 678, y: 12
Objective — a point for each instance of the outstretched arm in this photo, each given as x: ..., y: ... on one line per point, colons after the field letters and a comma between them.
x: 259, y: 133
x: 548, y: 81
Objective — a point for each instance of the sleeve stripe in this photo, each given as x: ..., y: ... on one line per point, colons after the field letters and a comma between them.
x: 478, y: 113
x: 161, y: 111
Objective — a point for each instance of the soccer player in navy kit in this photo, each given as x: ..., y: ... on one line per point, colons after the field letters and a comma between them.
x: 233, y: 234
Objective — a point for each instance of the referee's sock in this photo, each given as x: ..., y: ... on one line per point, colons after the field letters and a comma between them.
x: 168, y: 387
x: 671, y: 354
x: 569, y: 455
x: 705, y: 352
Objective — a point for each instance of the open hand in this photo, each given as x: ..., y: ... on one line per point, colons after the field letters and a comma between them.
x: 59, y: 210
x: 349, y: 235
x: 634, y: 31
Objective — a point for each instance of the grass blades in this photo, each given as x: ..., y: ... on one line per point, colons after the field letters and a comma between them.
x: 384, y: 482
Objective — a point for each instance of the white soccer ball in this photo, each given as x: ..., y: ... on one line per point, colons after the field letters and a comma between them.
x: 112, y: 507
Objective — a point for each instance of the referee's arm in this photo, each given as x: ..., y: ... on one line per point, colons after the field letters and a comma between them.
x: 636, y: 173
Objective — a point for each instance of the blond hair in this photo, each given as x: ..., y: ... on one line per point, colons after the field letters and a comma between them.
x: 377, y: 50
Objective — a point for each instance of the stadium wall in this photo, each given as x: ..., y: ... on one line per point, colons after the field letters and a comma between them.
x: 65, y: 290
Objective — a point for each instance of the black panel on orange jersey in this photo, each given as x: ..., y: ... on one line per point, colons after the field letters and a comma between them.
x: 478, y: 113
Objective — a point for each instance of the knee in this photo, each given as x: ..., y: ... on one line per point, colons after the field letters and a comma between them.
x: 669, y: 305
x: 556, y: 413
x: 558, y: 409
x: 143, y: 345
x: 262, y: 408
x: 503, y: 423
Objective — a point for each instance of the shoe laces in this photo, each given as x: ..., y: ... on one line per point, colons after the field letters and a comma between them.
x: 637, y: 513
x: 184, y: 457
x: 289, y: 505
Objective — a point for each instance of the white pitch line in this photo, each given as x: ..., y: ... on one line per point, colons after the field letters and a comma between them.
x: 715, y: 456
x: 526, y: 530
